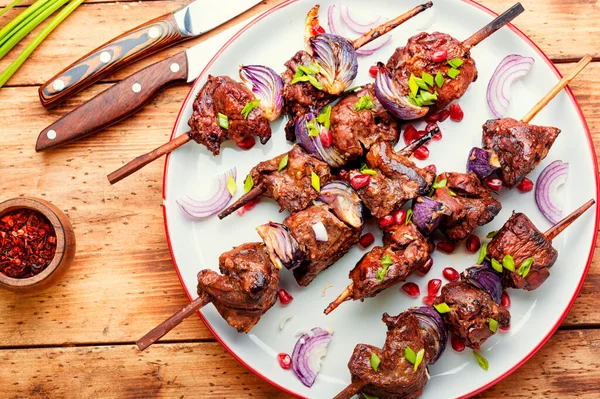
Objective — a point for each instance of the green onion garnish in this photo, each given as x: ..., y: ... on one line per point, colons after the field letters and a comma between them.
x: 439, y: 80
x: 497, y: 265
x: 482, y: 253
x: 440, y: 184
x: 508, y: 262
x: 420, y: 355
x: 427, y: 78
x: 452, y: 193
x: 249, y: 107
x: 483, y: 363
x: 365, y: 170
x: 231, y: 185
x: 223, y: 120
x: 386, y: 262
x: 248, y: 183
x: 491, y: 234
x: 409, y: 215
x: 525, y: 267
x: 410, y: 355
x: 313, y: 129
x: 315, y: 181
x: 307, y: 78
x: 283, y: 163
x: 351, y: 90
x: 8, y: 7
x: 363, y: 102
x: 453, y: 73
x: 493, y: 325
x: 324, y: 118
x: 455, y: 62
x: 442, y: 308
x: 421, y: 83
x: 412, y: 85
x: 375, y: 361
x: 311, y: 69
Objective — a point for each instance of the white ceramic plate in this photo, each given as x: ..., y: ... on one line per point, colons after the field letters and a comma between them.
x: 271, y: 40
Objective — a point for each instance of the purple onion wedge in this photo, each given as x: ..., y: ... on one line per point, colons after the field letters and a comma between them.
x: 337, y: 61
x: 485, y: 277
x: 431, y: 321
x: 310, y: 348
x: 391, y: 96
x: 427, y: 214
x: 267, y: 87
x: 282, y: 247
x: 343, y: 201
x: 313, y: 144
x: 482, y: 162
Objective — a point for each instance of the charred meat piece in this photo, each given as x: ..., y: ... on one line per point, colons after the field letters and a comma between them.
x: 471, y: 309
x: 406, y: 248
x: 245, y: 289
x: 355, y: 131
x: 291, y: 187
x: 223, y: 95
x: 396, y: 377
x: 416, y: 58
x: 470, y: 204
x: 397, y: 180
x: 319, y: 254
x: 519, y: 146
x: 520, y: 239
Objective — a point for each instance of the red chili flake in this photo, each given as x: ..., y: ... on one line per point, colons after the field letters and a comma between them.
x: 27, y: 243
x: 446, y: 247
x: 318, y: 30
x: 285, y: 361
x: 422, y: 153
x: 450, y: 274
x: 411, y: 289
x: 373, y: 71
x: 525, y: 186
x: 425, y: 267
x: 247, y: 143
x: 366, y: 240
x: 457, y: 343
x: 284, y: 296
x: 456, y: 113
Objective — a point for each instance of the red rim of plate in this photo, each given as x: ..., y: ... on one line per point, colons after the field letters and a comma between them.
x: 575, y: 294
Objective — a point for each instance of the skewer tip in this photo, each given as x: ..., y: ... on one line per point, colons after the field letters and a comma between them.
x: 568, y: 220
x: 343, y: 297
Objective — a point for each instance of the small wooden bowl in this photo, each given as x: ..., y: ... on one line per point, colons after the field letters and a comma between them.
x: 65, y: 245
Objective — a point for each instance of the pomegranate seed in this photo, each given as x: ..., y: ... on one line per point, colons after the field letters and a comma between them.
x: 411, y: 289
x: 326, y: 138
x: 446, y: 247
x: 430, y: 126
x: 443, y: 115
x: 247, y: 143
x: 425, y: 267
x: 386, y: 221
x: 318, y: 30
x: 247, y: 207
x: 450, y: 274
x: 493, y: 183
x: 472, y: 243
x: 373, y: 71
x: 525, y: 186
x: 399, y: 216
x: 456, y: 113
x: 431, y: 167
x: 285, y: 361
x: 366, y: 240
x: 428, y: 300
x: 439, y: 56
x: 432, y: 117
x: 359, y: 181
x: 505, y: 301
x: 433, y: 286
x: 284, y: 296
x: 504, y: 329
x: 420, y: 133
x: 457, y: 343
x: 422, y: 153
x: 343, y: 174
x: 437, y: 137
x: 409, y: 134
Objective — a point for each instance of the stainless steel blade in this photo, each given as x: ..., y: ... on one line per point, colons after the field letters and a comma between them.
x: 204, y: 15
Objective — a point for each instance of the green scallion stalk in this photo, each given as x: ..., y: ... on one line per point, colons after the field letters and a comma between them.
x: 21, y: 17
x: 16, y: 64
x: 32, y: 16
x: 10, y: 6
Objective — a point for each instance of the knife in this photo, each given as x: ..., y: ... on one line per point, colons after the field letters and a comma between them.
x: 193, y: 20
x: 131, y: 94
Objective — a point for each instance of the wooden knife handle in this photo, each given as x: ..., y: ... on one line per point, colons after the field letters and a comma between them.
x: 139, y: 42
x: 114, y: 104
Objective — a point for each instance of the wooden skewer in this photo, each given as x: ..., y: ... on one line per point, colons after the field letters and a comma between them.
x: 343, y: 297
x: 388, y: 26
x: 351, y: 390
x: 172, y: 322
x: 251, y: 195
x: 143, y: 160
x: 557, y: 88
x: 566, y: 222
x: 493, y: 26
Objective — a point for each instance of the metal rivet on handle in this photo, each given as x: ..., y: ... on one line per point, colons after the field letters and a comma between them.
x: 174, y: 67
x: 104, y: 57
x: 153, y: 32
x: 136, y: 87
x: 58, y: 85
x: 51, y: 134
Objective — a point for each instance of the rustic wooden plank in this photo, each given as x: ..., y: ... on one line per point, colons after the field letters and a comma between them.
x: 568, y: 366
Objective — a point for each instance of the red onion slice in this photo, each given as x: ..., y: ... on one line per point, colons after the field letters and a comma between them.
x: 511, y: 68
x: 320, y: 232
x: 355, y: 26
x: 199, y: 209
x: 552, y: 177
x: 310, y: 348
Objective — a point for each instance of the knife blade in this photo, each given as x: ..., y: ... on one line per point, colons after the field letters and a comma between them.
x: 131, y: 94
x: 193, y: 20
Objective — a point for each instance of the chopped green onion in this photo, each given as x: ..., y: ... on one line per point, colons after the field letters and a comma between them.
x: 497, y: 265
x: 324, y: 118
x: 386, y: 262
x: 365, y: 170
x: 452, y: 193
x: 363, y: 102
x: 442, y: 308
x: 428, y: 97
x: 311, y: 69
x: 427, y: 78
x: 491, y: 234
x: 440, y: 184
x: 409, y: 215
x: 315, y: 181
x: 453, y: 73
x: 9, y: 29
x: 308, y: 78
x: 313, y: 129
x: 439, y: 80
x: 482, y: 253
x: 412, y: 85
x: 483, y: 363
x: 419, y: 359
x: 525, y: 267
x: 493, y: 325
x: 283, y: 163
x: 248, y: 183
x: 508, y: 262
x: 231, y: 185
x: 375, y: 361
x: 410, y: 355
x: 249, y: 107
x: 351, y: 90
x: 421, y: 83
x: 455, y: 62
x: 368, y: 396
x: 223, y: 120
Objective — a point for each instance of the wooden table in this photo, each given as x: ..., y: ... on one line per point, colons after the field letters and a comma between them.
x: 76, y: 339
